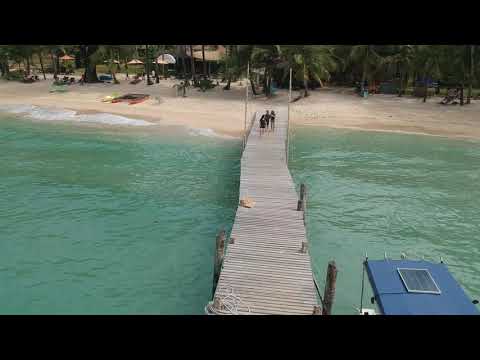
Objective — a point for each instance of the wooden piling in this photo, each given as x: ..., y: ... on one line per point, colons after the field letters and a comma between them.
x: 303, y: 198
x: 303, y: 250
x: 219, y: 253
x: 316, y: 310
x: 329, y: 293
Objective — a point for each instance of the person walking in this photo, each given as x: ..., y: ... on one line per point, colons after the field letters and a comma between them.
x: 262, y: 124
x: 272, y: 120
x: 267, y: 119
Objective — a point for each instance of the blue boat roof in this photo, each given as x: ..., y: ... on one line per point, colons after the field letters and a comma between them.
x: 393, y: 298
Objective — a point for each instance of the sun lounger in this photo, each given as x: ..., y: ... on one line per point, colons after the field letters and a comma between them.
x: 452, y: 95
x: 135, y: 81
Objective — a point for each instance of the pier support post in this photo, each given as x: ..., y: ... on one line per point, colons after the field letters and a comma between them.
x: 303, y: 250
x: 303, y: 198
x: 316, y: 310
x: 219, y: 253
x: 329, y: 293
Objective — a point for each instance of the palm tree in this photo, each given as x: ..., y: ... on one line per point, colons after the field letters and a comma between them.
x: 427, y: 61
x: 39, y: 51
x: 367, y: 55
x: 310, y: 61
x: 403, y: 59
x: 88, y: 54
x: 266, y: 57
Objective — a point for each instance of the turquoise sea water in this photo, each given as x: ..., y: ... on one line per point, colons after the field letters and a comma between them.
x: 381, y: 192
x: 101, y: 221
x: 98, y: 220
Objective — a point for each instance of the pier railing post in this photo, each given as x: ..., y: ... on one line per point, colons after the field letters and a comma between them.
x: 330, y: 284
x: 303, y: 198
x: 218, y: 260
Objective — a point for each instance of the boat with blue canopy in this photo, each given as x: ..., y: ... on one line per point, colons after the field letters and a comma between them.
x: 414, y: 287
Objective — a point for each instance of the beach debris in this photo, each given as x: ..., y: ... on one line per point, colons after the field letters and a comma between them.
x: 131, y: 99
x: 247, y: 202
x: 58, y: 88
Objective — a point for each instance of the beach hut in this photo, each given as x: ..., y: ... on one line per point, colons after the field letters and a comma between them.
x: 213, y: 54
x: 67, y: 61
x: 134, y: 62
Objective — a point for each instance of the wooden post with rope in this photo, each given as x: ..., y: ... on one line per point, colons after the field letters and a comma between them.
x: 219, y: 253
x: 329, y: 293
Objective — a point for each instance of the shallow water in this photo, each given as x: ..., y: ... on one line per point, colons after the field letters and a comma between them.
x: 97, y: 220
x: 381, y: 192
x: 102, y: 222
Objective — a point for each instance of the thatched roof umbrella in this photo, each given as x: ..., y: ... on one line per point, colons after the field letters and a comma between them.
x: 66, y: 57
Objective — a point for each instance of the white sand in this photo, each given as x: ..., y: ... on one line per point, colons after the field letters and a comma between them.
x: 223, y: 111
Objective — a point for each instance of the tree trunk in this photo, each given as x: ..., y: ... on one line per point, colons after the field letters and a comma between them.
x: 192, y: 62
x: 54, y: 65
x: 147, y: 65
x: 470, y: 80
x: 305, y: 80
x: 252, y: 84
x: 461, y: 94
x: 426, y: 88
x: 90, y: 71
x: 400, y: 84
x: 364, y: 70
x: 90, y: 74
x: 157, y: 77
x: 28, y: 65
x: 41, y: 65
x: 204, y: 62
x: 184, y: 66
x: 229, y: 80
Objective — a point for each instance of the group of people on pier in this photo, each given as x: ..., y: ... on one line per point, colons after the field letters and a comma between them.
x: 267, y: 122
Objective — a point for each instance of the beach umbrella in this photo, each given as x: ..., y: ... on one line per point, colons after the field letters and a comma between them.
x: 166, y: 59
x: 135, y: 62
x: 67, y: 57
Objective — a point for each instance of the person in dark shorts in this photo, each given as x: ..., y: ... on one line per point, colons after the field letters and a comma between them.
x: 267, y: 119
x: 272, y: 120
x: 262, y: 124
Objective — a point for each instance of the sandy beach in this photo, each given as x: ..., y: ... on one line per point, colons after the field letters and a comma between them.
x: 223, y: 111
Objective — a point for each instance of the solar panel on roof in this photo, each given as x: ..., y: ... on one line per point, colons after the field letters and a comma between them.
x: 418, y: 281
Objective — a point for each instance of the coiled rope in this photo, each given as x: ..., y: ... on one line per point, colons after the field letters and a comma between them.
x: 228, y: 304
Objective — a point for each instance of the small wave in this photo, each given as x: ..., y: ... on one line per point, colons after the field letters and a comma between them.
x: 52, y: 114
x: 208, y: 132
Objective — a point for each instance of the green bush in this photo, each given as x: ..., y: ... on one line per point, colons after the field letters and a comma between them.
x: 15, y: 75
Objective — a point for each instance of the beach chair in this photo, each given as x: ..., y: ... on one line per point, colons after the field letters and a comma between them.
x: 452, y: 95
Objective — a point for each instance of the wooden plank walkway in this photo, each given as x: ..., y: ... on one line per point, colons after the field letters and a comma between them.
x: 264, y: 270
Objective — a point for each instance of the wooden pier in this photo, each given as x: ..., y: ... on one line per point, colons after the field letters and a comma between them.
x: 266, y: 268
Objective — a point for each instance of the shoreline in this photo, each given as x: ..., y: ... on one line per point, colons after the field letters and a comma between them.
x: 390, y: 131
x: 222, y: 112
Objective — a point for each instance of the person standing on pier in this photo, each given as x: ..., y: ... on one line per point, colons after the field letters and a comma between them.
x: 272, y: 120
x: 267, y: 119
x: 262, y: 124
